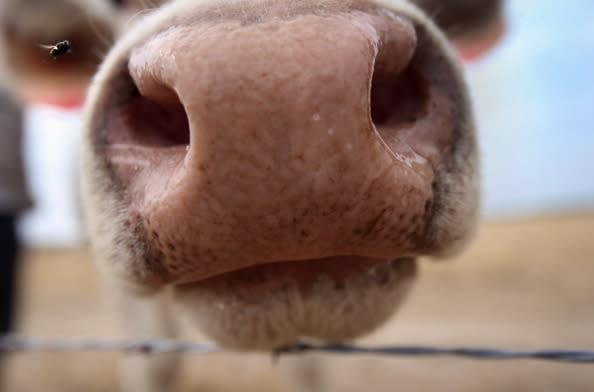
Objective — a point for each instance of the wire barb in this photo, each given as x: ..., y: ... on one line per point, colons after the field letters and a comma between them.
x: 15, y: 343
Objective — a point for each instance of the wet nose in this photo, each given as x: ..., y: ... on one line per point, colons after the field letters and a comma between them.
x: 269, y: 104
x: 265, y: 139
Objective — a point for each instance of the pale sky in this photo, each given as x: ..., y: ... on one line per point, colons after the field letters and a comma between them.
x: 535, y: 107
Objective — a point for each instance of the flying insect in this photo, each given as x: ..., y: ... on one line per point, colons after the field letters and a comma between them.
x: 58, y: 49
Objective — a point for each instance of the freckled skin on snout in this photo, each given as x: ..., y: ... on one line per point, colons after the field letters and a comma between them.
x: 262, y: 169
x: 281, y: 166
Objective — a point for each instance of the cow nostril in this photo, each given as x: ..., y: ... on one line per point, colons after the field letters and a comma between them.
x: 149, y: 122
x: 398, y: 100
x: 159, y: 124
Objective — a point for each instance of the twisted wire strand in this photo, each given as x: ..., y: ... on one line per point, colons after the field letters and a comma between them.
x: 14, y: 343
x: 561, y: 355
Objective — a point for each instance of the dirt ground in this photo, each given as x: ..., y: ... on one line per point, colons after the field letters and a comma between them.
x: 523, y: 284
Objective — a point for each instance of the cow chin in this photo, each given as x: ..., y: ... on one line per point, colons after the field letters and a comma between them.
x: 268, y: 306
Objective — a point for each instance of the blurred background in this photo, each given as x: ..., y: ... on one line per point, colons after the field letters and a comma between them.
x: 533, y: 97
x: 526, y: 282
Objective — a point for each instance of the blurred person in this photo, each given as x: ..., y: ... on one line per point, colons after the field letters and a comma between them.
x: 52, y: 89
x: 14, y: 198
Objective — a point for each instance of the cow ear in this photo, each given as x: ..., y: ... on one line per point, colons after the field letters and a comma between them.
x: 473, y: 47
x: 474, y: 27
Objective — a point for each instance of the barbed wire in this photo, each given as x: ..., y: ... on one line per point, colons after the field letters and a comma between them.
x: 562, y: 355
x: 16, y: 343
